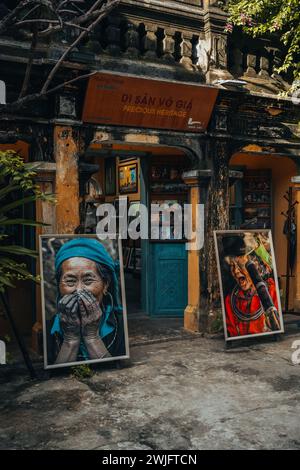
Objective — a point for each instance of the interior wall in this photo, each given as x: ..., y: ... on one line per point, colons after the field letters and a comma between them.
x: 283, y: 168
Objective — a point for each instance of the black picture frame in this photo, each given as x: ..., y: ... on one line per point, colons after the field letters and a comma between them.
x: 134, y: 186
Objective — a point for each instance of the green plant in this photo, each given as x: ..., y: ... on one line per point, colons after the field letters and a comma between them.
x: 216, y: 325
x: 267, y: 17
x: 81, y: 372
x: 17, y: 189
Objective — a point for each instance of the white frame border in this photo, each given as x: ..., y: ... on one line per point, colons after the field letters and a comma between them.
x: 232, y: 338
x: 123, y: 298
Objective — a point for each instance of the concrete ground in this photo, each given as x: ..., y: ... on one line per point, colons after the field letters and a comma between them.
x: 184, y: 392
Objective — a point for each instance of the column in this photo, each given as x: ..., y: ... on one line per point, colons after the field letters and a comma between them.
x: 44, y: 212
x: 66, y: 150
x: 192, y: 311
x: 217, y: 218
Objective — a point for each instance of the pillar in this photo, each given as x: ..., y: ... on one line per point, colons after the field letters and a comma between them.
x: 66, y: 151
x: 44, y: 212
x: 217, y: 218
x: 192, y: 311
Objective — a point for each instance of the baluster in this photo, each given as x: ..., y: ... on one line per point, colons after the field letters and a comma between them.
x: 113, y: 35
x: 251, y: 63
x: 169, y: 45
x: 132, y: 41
x: 93, y: 43
x: 237, y: 58
x: 150, y: 41
x: 220, y: 51
x: 277, y: 61
x: 186, y: 50
x: 264, y: 67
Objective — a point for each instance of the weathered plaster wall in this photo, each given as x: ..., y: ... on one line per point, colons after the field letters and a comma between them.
x: 67, y: 185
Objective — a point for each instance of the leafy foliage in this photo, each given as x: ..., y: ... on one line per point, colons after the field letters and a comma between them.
x: 82, y: 372
x: 17, y: 189
x: 268, y: 17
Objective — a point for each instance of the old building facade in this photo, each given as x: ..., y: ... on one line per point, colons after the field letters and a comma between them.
x: 250, y: 129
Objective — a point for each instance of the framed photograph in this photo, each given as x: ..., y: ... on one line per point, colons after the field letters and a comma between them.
x: 248, y: 283
x: 110, y: 176
x: 83, y: 300
x: 128, y: 178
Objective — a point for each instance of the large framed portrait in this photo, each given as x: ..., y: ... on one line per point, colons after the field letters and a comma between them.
x: 248, y: 283
x: 83, y: 300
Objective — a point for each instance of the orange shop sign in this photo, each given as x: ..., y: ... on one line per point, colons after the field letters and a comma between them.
x: 139, y: 102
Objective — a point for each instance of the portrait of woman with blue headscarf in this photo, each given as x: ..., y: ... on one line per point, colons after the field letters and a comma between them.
x: 88, y: 323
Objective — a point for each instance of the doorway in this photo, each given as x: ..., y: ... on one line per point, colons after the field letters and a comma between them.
x: 155, y: 269
x: 258, y: 201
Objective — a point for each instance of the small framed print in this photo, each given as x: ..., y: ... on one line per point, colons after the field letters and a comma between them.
x: 83, y: 300
x: 128, y: 178
x: 248, y: 283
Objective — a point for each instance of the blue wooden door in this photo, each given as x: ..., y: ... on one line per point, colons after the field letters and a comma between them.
x: 168, y: 279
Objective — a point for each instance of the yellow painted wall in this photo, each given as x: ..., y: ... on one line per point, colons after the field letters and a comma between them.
x: 283, y: 169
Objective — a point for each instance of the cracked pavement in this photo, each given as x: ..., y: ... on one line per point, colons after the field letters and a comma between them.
x: 183, y: 394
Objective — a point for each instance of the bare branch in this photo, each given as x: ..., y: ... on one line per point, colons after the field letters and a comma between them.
x: 106, y: 9
x: 36, y: 7
x: 73, y: 25
x: 6, y: 20
x: 56, y: 16
x: 11, y: 107
x: 65, y: 2
x: 69, y: 82
x: 35, y: 21
x: 79, y: 20
x: 29, y: 65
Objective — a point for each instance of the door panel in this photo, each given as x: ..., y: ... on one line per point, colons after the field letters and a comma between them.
x: 168, y: 282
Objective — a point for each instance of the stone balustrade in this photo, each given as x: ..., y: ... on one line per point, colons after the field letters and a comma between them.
x: 149, y: 41
x: 253, y: 59
x: 185, y: 34
x: 195, y: 50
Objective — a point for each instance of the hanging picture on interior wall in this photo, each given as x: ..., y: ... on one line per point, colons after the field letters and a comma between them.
x: 83, y: 300
x: 248, y: 283
x: 128, y: 178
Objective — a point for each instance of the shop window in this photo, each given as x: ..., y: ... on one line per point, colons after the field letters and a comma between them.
x: 258, y: 198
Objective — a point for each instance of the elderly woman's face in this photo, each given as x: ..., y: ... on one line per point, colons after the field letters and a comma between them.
x: 81, y: 273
